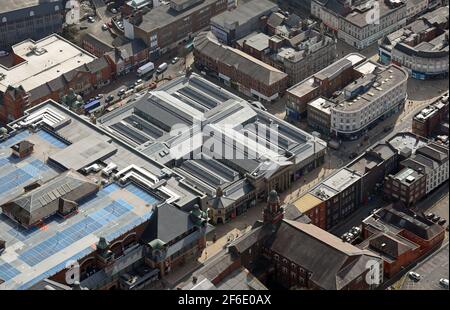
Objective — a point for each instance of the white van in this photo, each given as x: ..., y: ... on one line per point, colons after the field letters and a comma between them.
x: 162, y: 67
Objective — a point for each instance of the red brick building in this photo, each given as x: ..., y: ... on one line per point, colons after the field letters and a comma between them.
x: 47, y: 69
x: 396, y: 251
x: 408, y: 186
x: 296, y: 254
x: 166, y: 27
x: 400, y: 236
x: 237, y: 69
x: 429, y: 119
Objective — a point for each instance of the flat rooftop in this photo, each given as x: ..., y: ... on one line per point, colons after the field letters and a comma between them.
x: 37, y: 253
x: 243, y: 13
x: 333, y: 70
x: 256, y: 40
x: 407, y: 141
x: 407, y: 176
x: 13, y: 5
x: 164, y: 15
x: 322, y: 104
x: 43, y: 61
x: 359, y: 18
x: 382, y: 80
x: 34, y: 254
x: 364, y: 164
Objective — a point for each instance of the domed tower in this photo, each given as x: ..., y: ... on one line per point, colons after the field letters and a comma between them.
x: 273, y: 212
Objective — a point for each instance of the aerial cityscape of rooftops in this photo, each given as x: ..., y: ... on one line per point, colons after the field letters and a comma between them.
x: 224, y: 145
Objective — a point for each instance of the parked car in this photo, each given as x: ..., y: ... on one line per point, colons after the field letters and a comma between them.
x: 356, y: 231
x: 258, y: 105
x: 138, y: 82
x: 105, y: 27
x: 3, y: 53
x: 444, y: 283
x: 91, y: 19
x: 436, y: 218
x: 113, y: 10
x: 430, y: 216
x: 175, y: 60
x: 442, y: 222
x: 121, y: 92
x: 109, y: 98
x: 414, y: 276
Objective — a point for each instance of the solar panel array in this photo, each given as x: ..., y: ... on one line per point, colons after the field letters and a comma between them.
x: 13, y: 140
x: 105, y: 214
x: 51, y: 139
x: 136, y: 190
x: 7, y: 272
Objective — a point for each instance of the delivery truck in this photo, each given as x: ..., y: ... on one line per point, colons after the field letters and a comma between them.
x: 147, y: 68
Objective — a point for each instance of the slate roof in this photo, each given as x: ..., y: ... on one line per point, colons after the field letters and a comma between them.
x: 168, y: 223
x: 69, y: 185
x: 390, y: 245
x: 275, y: 19
x: 207, y: 44
x: 172, y: 222
x: 332, y: 262
x: 22, y: 146
x: 402, y: 218
x: 40, y: 202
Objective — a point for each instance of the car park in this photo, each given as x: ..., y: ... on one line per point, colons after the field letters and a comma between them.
x: 356, y: 231
x: 414, y: 276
